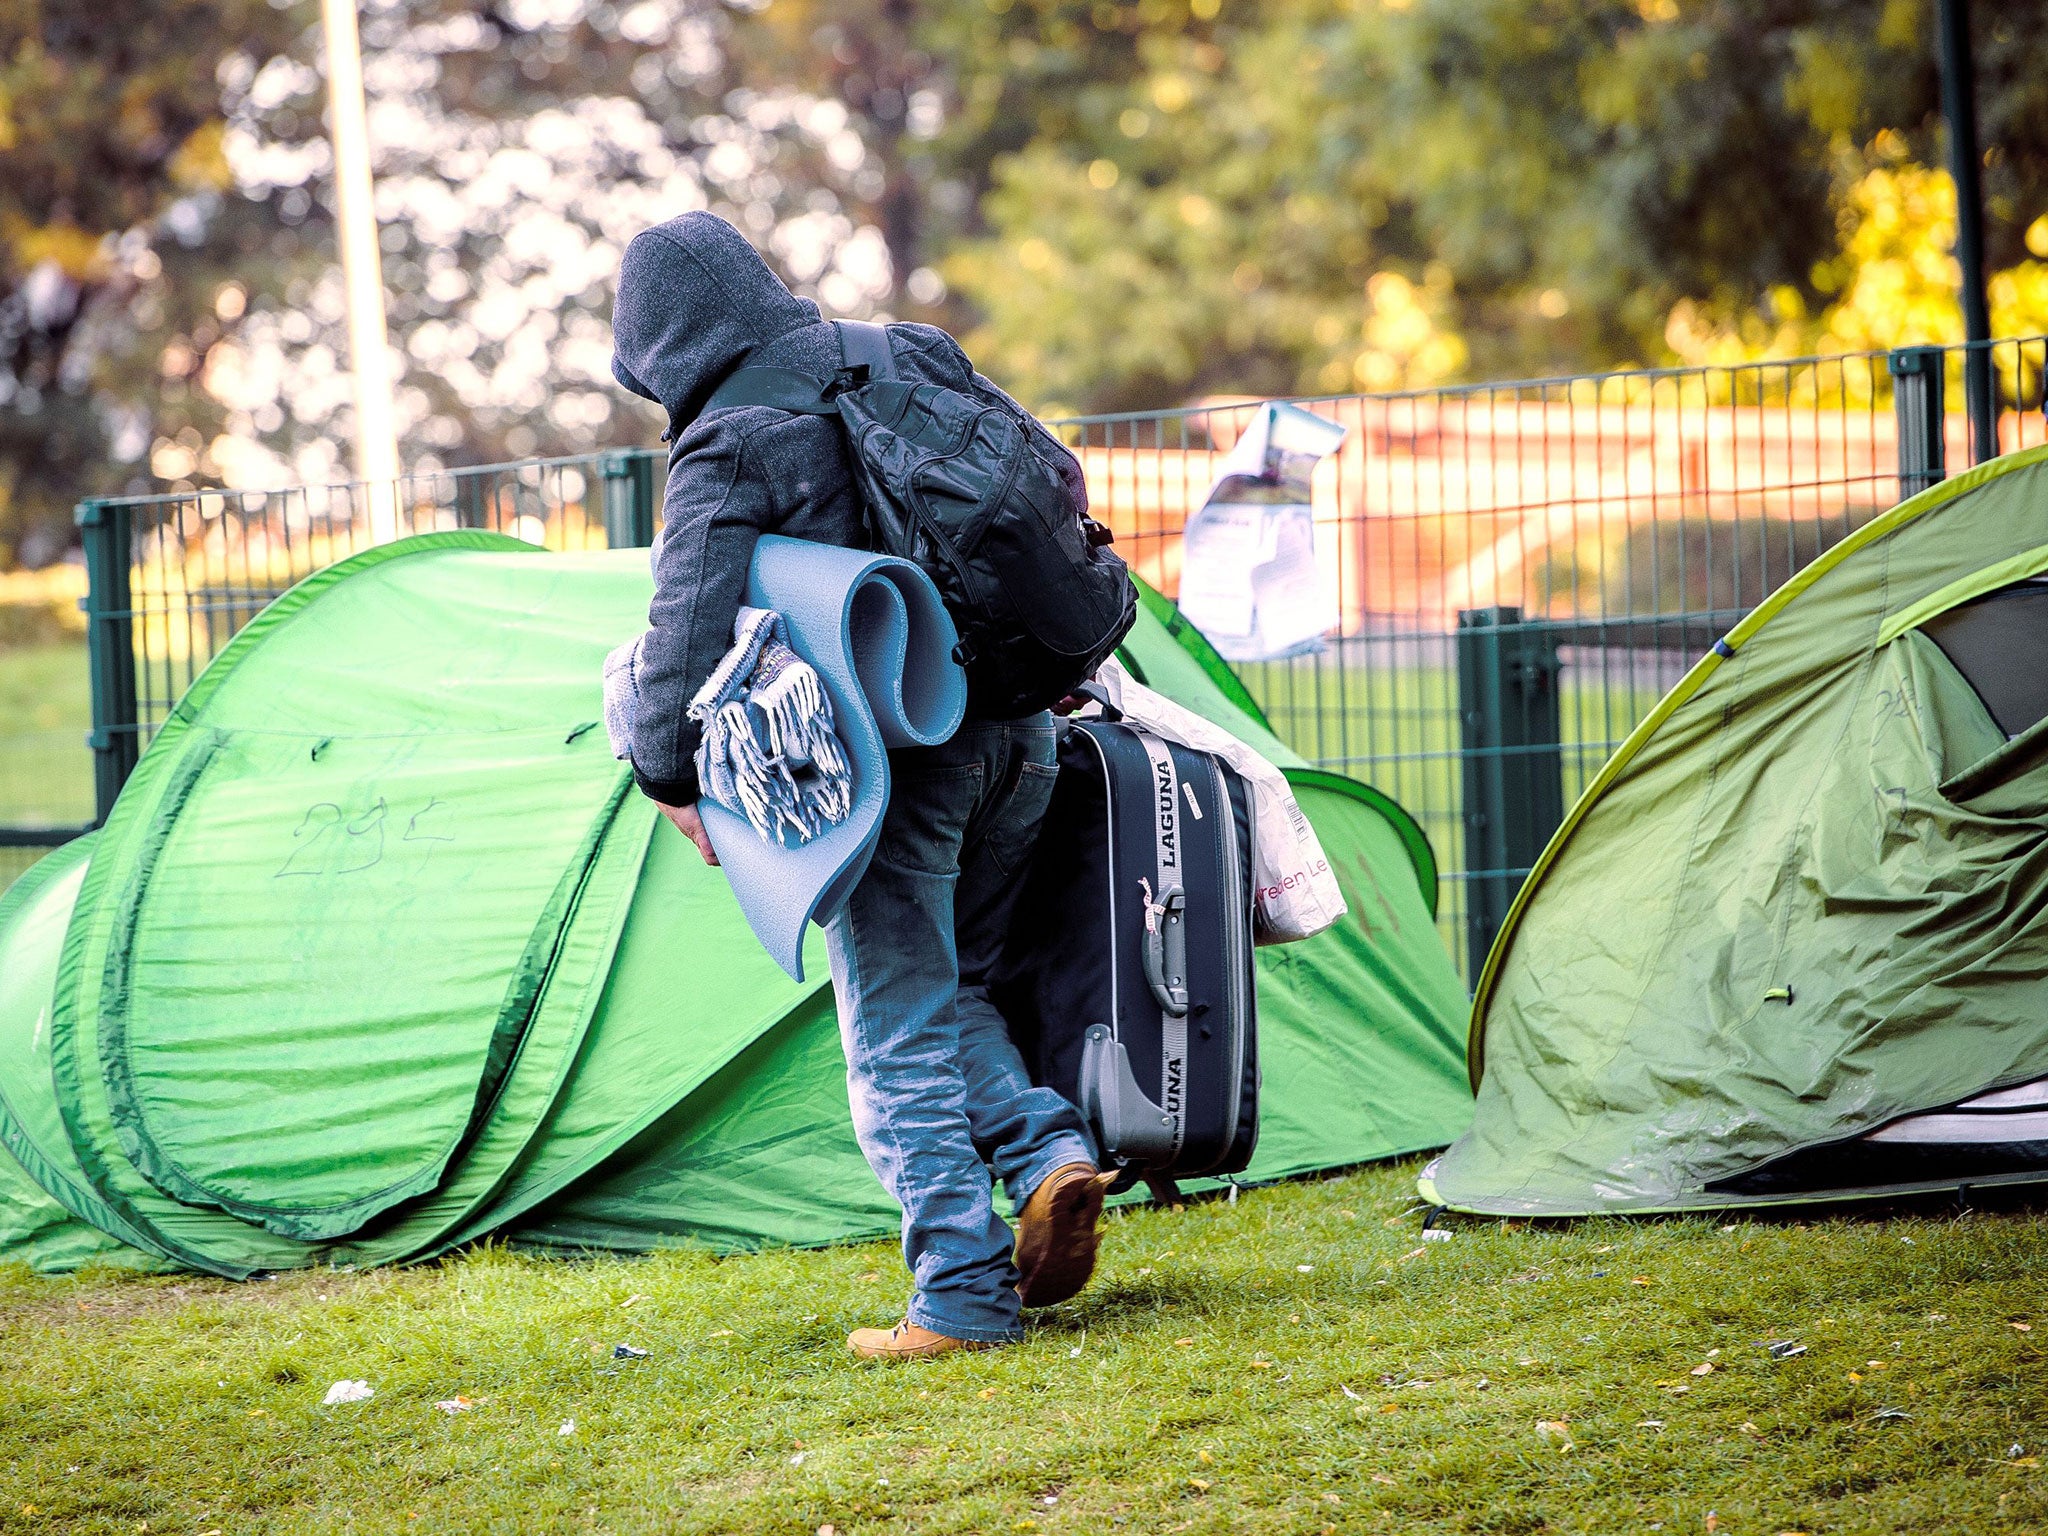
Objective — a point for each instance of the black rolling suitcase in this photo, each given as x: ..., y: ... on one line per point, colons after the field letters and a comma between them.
x: 1127, y: 976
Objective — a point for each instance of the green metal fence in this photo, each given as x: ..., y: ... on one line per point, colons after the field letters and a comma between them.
x: 1520, y: 570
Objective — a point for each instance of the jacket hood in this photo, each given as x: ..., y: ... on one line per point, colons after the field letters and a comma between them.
x: 694, y: 299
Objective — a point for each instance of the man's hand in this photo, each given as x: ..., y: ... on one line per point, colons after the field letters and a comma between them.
x: 691, y: 825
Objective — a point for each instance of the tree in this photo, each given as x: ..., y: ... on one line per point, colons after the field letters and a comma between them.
x: 1315, y: 196
x: 117, y: 239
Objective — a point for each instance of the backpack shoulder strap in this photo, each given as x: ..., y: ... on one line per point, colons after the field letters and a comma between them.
x: 862, y: 345
x: 866, y: 345
x: 783, y: 388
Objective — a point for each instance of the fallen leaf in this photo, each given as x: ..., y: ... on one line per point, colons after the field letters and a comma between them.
x: 870, y: 1277
x: 1749, y: 1428
x: 629, y: 1301
x: 455, y: 1404
x: 1198, y: 1484
x: 1555, y: 1429
x: 828, y: 1530
x: 1413, y: 1253
x: 1205, y: 1456
x: 723, y: 1333
x: 1183, y: 1343
x: 1713, y: 1521
x: 1677, y: 1388
x: 1855, y: 1375
x: 1382, y: 1478
x: 2024, y: 1461
x: 1642, y: 1280
x: 1262, y: 1365
x: 1704, y: 1368
x: 1331, y: 1498
x: 1605, y: 1248
x: 2023, y: 1327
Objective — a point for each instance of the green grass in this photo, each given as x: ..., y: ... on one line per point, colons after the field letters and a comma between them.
x: 45, y: 711
x: 1299, y: 1361
x: 45, y: 769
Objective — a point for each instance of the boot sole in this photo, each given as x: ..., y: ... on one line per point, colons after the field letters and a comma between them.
x: 1066, y: 1260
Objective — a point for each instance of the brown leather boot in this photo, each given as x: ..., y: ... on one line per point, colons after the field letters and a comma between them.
x: 906, y: 1341
x: 1056, y: 1236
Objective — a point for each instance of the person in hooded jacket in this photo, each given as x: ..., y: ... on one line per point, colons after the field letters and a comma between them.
x: 939, y: 1093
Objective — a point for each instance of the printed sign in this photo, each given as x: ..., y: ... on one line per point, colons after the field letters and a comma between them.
x: 1249, y: 576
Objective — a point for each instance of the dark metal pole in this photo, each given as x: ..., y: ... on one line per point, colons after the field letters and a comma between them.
x: 1965, y: 165
x: 116, y: 738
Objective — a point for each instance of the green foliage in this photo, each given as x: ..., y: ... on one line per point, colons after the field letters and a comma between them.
x: 115, y: 238
x: 45, y: 710
x: 1552, y: 176
x: 1300, y: 1361
x: 1121, y: 203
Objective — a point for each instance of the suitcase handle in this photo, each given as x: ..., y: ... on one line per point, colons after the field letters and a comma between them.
x: 1131, y: 1128
x: 1165, y: 950
x: 1094, y: 693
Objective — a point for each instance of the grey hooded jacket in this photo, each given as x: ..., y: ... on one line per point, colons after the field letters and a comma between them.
x: 695, y: 301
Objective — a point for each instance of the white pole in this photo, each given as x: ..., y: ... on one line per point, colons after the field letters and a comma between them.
x: 362, y: 269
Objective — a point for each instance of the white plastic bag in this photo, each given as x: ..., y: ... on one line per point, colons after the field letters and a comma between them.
x: 1298, y: 893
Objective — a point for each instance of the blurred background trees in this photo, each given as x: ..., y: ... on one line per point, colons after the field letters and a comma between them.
x: 1119, y: 203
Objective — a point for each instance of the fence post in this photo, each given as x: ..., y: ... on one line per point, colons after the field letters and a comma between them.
x: 628, y: 499
x: 1917, y: 377
x: 1513, y: 766
x: 116, y: 739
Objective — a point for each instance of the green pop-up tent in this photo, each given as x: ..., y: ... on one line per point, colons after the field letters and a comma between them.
x: 378, y: 954
x: 1792, y: 943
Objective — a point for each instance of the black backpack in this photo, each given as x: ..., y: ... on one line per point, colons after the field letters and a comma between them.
x: 968, y: 489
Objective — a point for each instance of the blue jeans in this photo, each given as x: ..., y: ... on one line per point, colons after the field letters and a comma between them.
x: 939, y: 1092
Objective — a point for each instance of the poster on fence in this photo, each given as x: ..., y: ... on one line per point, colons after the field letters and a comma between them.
x: 1249, y: 578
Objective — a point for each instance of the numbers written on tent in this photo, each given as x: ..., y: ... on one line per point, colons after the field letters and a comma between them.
x: 328, y: 840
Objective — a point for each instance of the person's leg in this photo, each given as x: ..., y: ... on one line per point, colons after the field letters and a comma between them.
x: 1025, y: 1131
x: 1035, y: 1140
x: 894, y: 970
